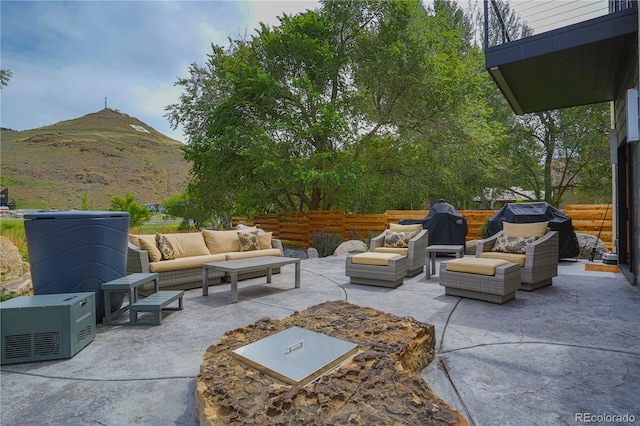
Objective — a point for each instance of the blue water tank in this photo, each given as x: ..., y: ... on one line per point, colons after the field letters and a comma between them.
x: 77, y: 251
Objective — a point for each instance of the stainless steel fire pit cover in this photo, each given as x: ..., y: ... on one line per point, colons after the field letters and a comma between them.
x: 295, y: 356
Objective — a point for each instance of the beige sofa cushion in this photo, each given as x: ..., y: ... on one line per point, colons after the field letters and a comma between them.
x: 396, y: 227
x: 185, y: 262
x: 510, y: 257
x: 188, y: 244
x: 475, y: 265
x: 537, y: 229
x: 253, y: 253
x: 148, y: 243
x: 396, y: 250
x: 221, y: 241
x: 376, y: 259
x: 265, y: 240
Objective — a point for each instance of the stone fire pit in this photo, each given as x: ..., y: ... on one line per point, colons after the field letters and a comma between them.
x: 381, y: 384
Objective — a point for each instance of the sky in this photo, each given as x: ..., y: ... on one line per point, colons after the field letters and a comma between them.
x: 67, y: 56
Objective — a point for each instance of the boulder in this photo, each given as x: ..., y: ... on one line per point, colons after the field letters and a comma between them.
x: 380, y: 385
x: 296, y: 254
x: 587, y: 242
x: 312, y: 253
x: 351, y: 246
x: 16, y: 273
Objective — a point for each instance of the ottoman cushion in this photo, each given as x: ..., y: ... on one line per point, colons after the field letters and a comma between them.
x: 475, y: 265
x: 378, y: 259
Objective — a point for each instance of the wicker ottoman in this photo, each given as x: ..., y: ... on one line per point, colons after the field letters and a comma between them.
x: 491, y: 280
x: 378, y: 269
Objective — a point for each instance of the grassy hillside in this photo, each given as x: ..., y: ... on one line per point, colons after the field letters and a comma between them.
x: 99, y: 154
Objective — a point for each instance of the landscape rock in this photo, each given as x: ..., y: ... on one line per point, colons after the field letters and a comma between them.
x: 312, y: 253
x: 587, y: 242
x: 16, y: 273
x: 351, y: 246
x: 296, y: 254
x: 380, y: 385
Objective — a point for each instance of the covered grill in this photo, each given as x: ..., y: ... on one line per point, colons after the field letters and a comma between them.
x: 538, y: 212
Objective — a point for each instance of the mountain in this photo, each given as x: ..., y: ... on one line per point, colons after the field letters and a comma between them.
x: 102, y: 154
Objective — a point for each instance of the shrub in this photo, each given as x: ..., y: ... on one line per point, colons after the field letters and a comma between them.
x: 325, y: 242
x: 482, y: 231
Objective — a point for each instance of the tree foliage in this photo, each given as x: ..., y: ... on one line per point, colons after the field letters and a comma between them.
x: 5, y: 76
x: 138, y: 214
x: 363, y: 106
x: 343, y: 107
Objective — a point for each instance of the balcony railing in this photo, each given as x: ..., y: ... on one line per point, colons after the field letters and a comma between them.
x: 521, y: 19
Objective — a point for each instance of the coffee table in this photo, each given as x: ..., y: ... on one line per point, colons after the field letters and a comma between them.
x: 254, y: 264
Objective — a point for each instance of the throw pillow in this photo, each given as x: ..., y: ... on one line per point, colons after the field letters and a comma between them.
x: 398, y: 239
x: 165, y: 247
x: 512, y: 244
x: 248, y: 241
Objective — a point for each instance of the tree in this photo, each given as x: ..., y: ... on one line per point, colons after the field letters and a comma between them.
x: 137, y: 214
x: 573, y: 151
x: 5, y: 76
x: 296, y: 116
x: 186, y: 207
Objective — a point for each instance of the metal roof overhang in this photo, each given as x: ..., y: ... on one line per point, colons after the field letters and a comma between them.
x: 574, y: 65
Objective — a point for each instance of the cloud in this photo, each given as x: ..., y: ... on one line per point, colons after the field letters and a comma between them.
x: 66, y: 57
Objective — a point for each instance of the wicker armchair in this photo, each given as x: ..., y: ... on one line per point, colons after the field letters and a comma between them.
x: 541, y: 259
x: 416, y: 254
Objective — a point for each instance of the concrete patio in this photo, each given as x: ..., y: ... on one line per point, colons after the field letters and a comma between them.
x: 565, y: 354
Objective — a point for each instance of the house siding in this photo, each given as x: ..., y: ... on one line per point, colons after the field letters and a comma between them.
x: 629, y: 80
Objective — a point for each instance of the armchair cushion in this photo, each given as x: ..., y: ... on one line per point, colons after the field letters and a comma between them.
x: 400, y: 251
x: 509, y: 257
x: 398, y: 239
x: 509, y: 244
x: 396, y: 227
x: 537, y: 229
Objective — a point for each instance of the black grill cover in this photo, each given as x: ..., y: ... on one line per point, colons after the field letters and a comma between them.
x: 445, y: 224
x: 538, y: 212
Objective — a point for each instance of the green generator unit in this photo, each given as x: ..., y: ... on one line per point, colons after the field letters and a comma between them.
x: 46, y: 327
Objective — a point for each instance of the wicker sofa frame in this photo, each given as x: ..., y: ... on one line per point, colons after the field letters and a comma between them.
x: 183, y: 279
x: 541, y: 259
x: 416, y: 256
x: 390, y: 276
x: 498, y: 288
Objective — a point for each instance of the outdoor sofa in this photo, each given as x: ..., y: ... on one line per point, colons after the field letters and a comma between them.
x: 179, y: 257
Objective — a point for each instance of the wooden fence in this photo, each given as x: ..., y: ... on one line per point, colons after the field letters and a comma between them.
x: 296, y: 229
